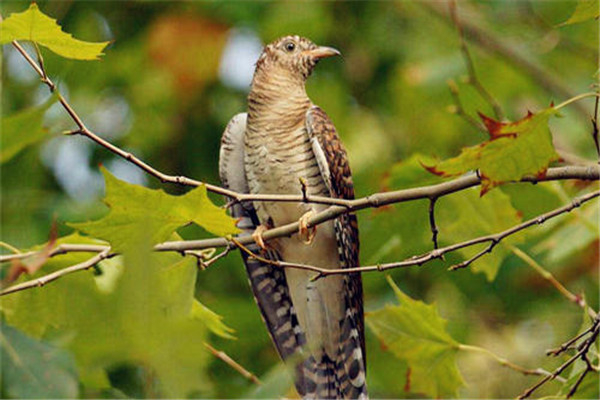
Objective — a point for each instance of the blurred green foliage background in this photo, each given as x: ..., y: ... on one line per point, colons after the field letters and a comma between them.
x: 175, y: 73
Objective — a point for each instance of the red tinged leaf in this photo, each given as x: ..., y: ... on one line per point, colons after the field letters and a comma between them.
x: 407, y: 384
x: 514, y: 150
x: 493, y: 127
x: 433, y: 169
x: 32, y: 264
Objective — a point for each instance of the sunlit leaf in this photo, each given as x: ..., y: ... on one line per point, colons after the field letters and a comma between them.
x: 466, y: 215
x: 144, y: 319
x: 34, y: 369
x: 584, y: 11
x: 213, y: 321
x: 416, y: 333
x: 23, y: 129
x: 134, y: 206
x: 515, y: 149
x: 37, y: 27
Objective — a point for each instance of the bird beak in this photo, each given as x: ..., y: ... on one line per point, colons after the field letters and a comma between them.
x: 322, y: 52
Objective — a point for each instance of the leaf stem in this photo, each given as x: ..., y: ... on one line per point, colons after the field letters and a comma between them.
x: 547, y: 275
x: 577, y: 98
x: 10, y: 247
x: 503, y: 361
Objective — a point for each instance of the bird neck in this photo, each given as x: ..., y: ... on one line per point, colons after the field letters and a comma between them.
x: 276, y: 92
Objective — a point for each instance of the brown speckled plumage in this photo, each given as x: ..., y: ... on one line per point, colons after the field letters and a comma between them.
x: 316, y: 326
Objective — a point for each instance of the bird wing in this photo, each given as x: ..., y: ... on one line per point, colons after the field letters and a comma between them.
x: 268, y: 282
x: 335, y: 169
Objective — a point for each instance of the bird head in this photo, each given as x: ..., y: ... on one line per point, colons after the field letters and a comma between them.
x: 293, y: 55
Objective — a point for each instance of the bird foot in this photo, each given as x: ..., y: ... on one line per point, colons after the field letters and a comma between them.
x: 306, y: 234
x: 257, y: 236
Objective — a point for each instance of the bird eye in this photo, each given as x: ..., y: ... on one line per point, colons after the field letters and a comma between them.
x: 290, y: 46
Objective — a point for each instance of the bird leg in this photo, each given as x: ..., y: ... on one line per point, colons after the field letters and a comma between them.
x: 257, y: 236
x: 306, y: 234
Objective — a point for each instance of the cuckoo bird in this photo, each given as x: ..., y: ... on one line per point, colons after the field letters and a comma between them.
x: 285, y: 144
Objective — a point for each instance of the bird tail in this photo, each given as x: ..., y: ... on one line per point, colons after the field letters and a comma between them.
x: 340, y: 377
x: 329, y: 379
x: 344, y: 376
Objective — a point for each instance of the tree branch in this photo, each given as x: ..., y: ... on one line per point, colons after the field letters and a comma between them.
x: 58, y: 250
x: 183, y: 246
x: 58, y: 274
x: 432, y: 224
x: 221, y: 355
x: 595, y: 127
x: 582, y: 351
x: 503, y: 361
x: 547, y: 275
x: 591, y: 173
x: 83, y: 130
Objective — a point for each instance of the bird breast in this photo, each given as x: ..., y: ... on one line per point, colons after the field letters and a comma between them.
x: 278, y: 155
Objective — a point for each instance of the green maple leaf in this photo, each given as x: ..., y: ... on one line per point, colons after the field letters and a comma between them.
x: 35, y: 26
x: 461, y: 216
x: 466, y: 215
x: 415, y: 332
x: 141, y: 311
x: 160, y: 214
x: 584, y: 11
x: 23, y: 129
x: 515, y: 149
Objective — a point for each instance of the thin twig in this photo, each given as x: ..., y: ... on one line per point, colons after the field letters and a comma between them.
x: 434, y: 254
x: 180, y: 180
x: 10, y: 247
x: 547, y: 275
x: 595, y: 128
x: 58, y: 274
x: 473, y: 80
x: 344, y: 204
x: 221, y: 355
x: 384, y: 198
x: 568, y: 345
x: 275, y: 263
x: 583, y: 349
x: 503, y: 361
x: 459, y: 109
x: 509, y: 52
x: 204, y: 264
x: 58, y: 250
x: 432, y: 224
x: 182, y: 246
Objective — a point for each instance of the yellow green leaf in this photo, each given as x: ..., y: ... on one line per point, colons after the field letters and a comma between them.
x: 35, y: 26
x: 466, y: 215
x: 134, y: 207
x: 514, y: 150
x: 584, y: 11
x: 213, y: 321
x: 23, y: 129
x: 145, y: 319
x: 415, y: 332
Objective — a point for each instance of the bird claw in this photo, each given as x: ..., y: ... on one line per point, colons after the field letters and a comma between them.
x: 306, y: 234
x: 257, y: 236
